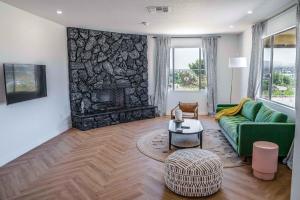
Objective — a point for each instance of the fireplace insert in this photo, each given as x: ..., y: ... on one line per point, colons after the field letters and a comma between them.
x: 109, y: 99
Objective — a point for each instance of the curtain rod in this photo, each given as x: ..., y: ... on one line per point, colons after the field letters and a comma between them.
x: 281, y: 12
x: 203, y: 36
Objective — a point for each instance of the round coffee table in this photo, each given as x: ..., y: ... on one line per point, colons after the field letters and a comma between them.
x: 187, y: 128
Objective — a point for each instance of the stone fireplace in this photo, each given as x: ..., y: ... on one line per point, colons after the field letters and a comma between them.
x: 108, y: 78
x: 109, y: 99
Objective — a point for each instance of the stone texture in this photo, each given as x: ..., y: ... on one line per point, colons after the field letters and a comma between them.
x: 99, y: 60
x: 75, y: 65
x: 86, y: 122
x: 101, y: 57
x: 134, y: 54
x: 80, y: 42
x: 90, y: 43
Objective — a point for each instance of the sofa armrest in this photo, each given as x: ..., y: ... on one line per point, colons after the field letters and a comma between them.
x: 224, y: 106
x: 280, y: 133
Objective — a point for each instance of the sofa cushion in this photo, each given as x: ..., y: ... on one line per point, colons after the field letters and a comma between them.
x: 250, y: 109
x: 266, y: 114
x: 230, y: 125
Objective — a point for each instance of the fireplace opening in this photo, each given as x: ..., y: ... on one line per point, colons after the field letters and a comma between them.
x: 109, y: 99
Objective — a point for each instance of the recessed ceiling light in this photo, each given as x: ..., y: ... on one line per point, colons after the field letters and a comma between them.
x: 231, y: 26
x: 250, y: 12
x: 59, y: 12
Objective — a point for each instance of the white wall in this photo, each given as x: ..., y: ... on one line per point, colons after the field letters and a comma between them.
x: 25, y: 38
x: 245, y: 43
x: 228, y: 45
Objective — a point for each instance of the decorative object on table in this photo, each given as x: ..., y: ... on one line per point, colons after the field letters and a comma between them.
x: 178, y: 115
x: 179, y: 130
x: 265, y: 160
x: 185, y: 127
x: 195, y: 129
x: 189, y: 110
x: 236, y: 62
x: 193, y: 172
x: 155, y: 145
x: 178, y: 121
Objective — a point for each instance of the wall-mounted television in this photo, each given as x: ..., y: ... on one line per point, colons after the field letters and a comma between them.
x: 24, y: 82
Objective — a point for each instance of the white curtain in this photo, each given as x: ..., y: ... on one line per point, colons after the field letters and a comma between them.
x: 289, y: 159
x: 162, y: 66
x: 210, y: 46
x: 256, y: 60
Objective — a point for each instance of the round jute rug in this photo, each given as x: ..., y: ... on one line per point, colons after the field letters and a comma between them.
x: 155, y: 144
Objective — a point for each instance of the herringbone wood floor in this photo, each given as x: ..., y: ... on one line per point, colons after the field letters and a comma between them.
x: 105, y: 164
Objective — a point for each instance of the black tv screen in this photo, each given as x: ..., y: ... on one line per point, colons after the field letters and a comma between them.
x: 24, y: 82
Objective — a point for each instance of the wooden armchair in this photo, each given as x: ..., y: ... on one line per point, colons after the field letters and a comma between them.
x: 189, y: 110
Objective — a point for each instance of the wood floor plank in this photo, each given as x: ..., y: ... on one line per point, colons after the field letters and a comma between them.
x: 104, y: 163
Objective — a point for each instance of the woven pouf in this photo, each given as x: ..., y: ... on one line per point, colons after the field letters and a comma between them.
x: 193, y: 172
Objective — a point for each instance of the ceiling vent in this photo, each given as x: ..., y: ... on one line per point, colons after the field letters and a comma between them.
x: 158, y: 9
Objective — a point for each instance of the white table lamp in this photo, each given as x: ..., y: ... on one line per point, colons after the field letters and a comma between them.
x: 236, y: 62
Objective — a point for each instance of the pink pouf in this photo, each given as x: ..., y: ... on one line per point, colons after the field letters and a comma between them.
x: 265, y: 160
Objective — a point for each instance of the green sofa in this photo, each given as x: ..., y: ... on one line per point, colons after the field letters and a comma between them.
x: 256, y: 122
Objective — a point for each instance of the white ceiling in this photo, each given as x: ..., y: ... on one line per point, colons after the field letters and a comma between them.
x: 187, y: 16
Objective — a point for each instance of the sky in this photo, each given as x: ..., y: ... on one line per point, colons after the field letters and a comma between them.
x: 282, y: 56
x: 185, y: 56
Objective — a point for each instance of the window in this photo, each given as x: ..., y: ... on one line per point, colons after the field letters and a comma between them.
x: 187, y: 70
x: 278, y: 76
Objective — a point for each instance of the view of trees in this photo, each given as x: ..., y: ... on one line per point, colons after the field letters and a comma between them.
x: 199, y: 64
x: 281, y: 79
x: 283, y: 85
x: 188, y: 79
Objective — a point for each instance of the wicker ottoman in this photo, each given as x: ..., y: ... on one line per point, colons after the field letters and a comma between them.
x: 193, y: 172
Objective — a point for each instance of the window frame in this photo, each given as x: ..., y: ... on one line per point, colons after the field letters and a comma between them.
x: 272, y: 36
x: 173, y: 70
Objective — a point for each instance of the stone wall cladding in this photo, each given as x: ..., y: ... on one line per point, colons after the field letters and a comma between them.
x: 86, y: 122
x: 99, y: 59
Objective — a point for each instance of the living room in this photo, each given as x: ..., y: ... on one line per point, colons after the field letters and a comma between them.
x: 149, y: 99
